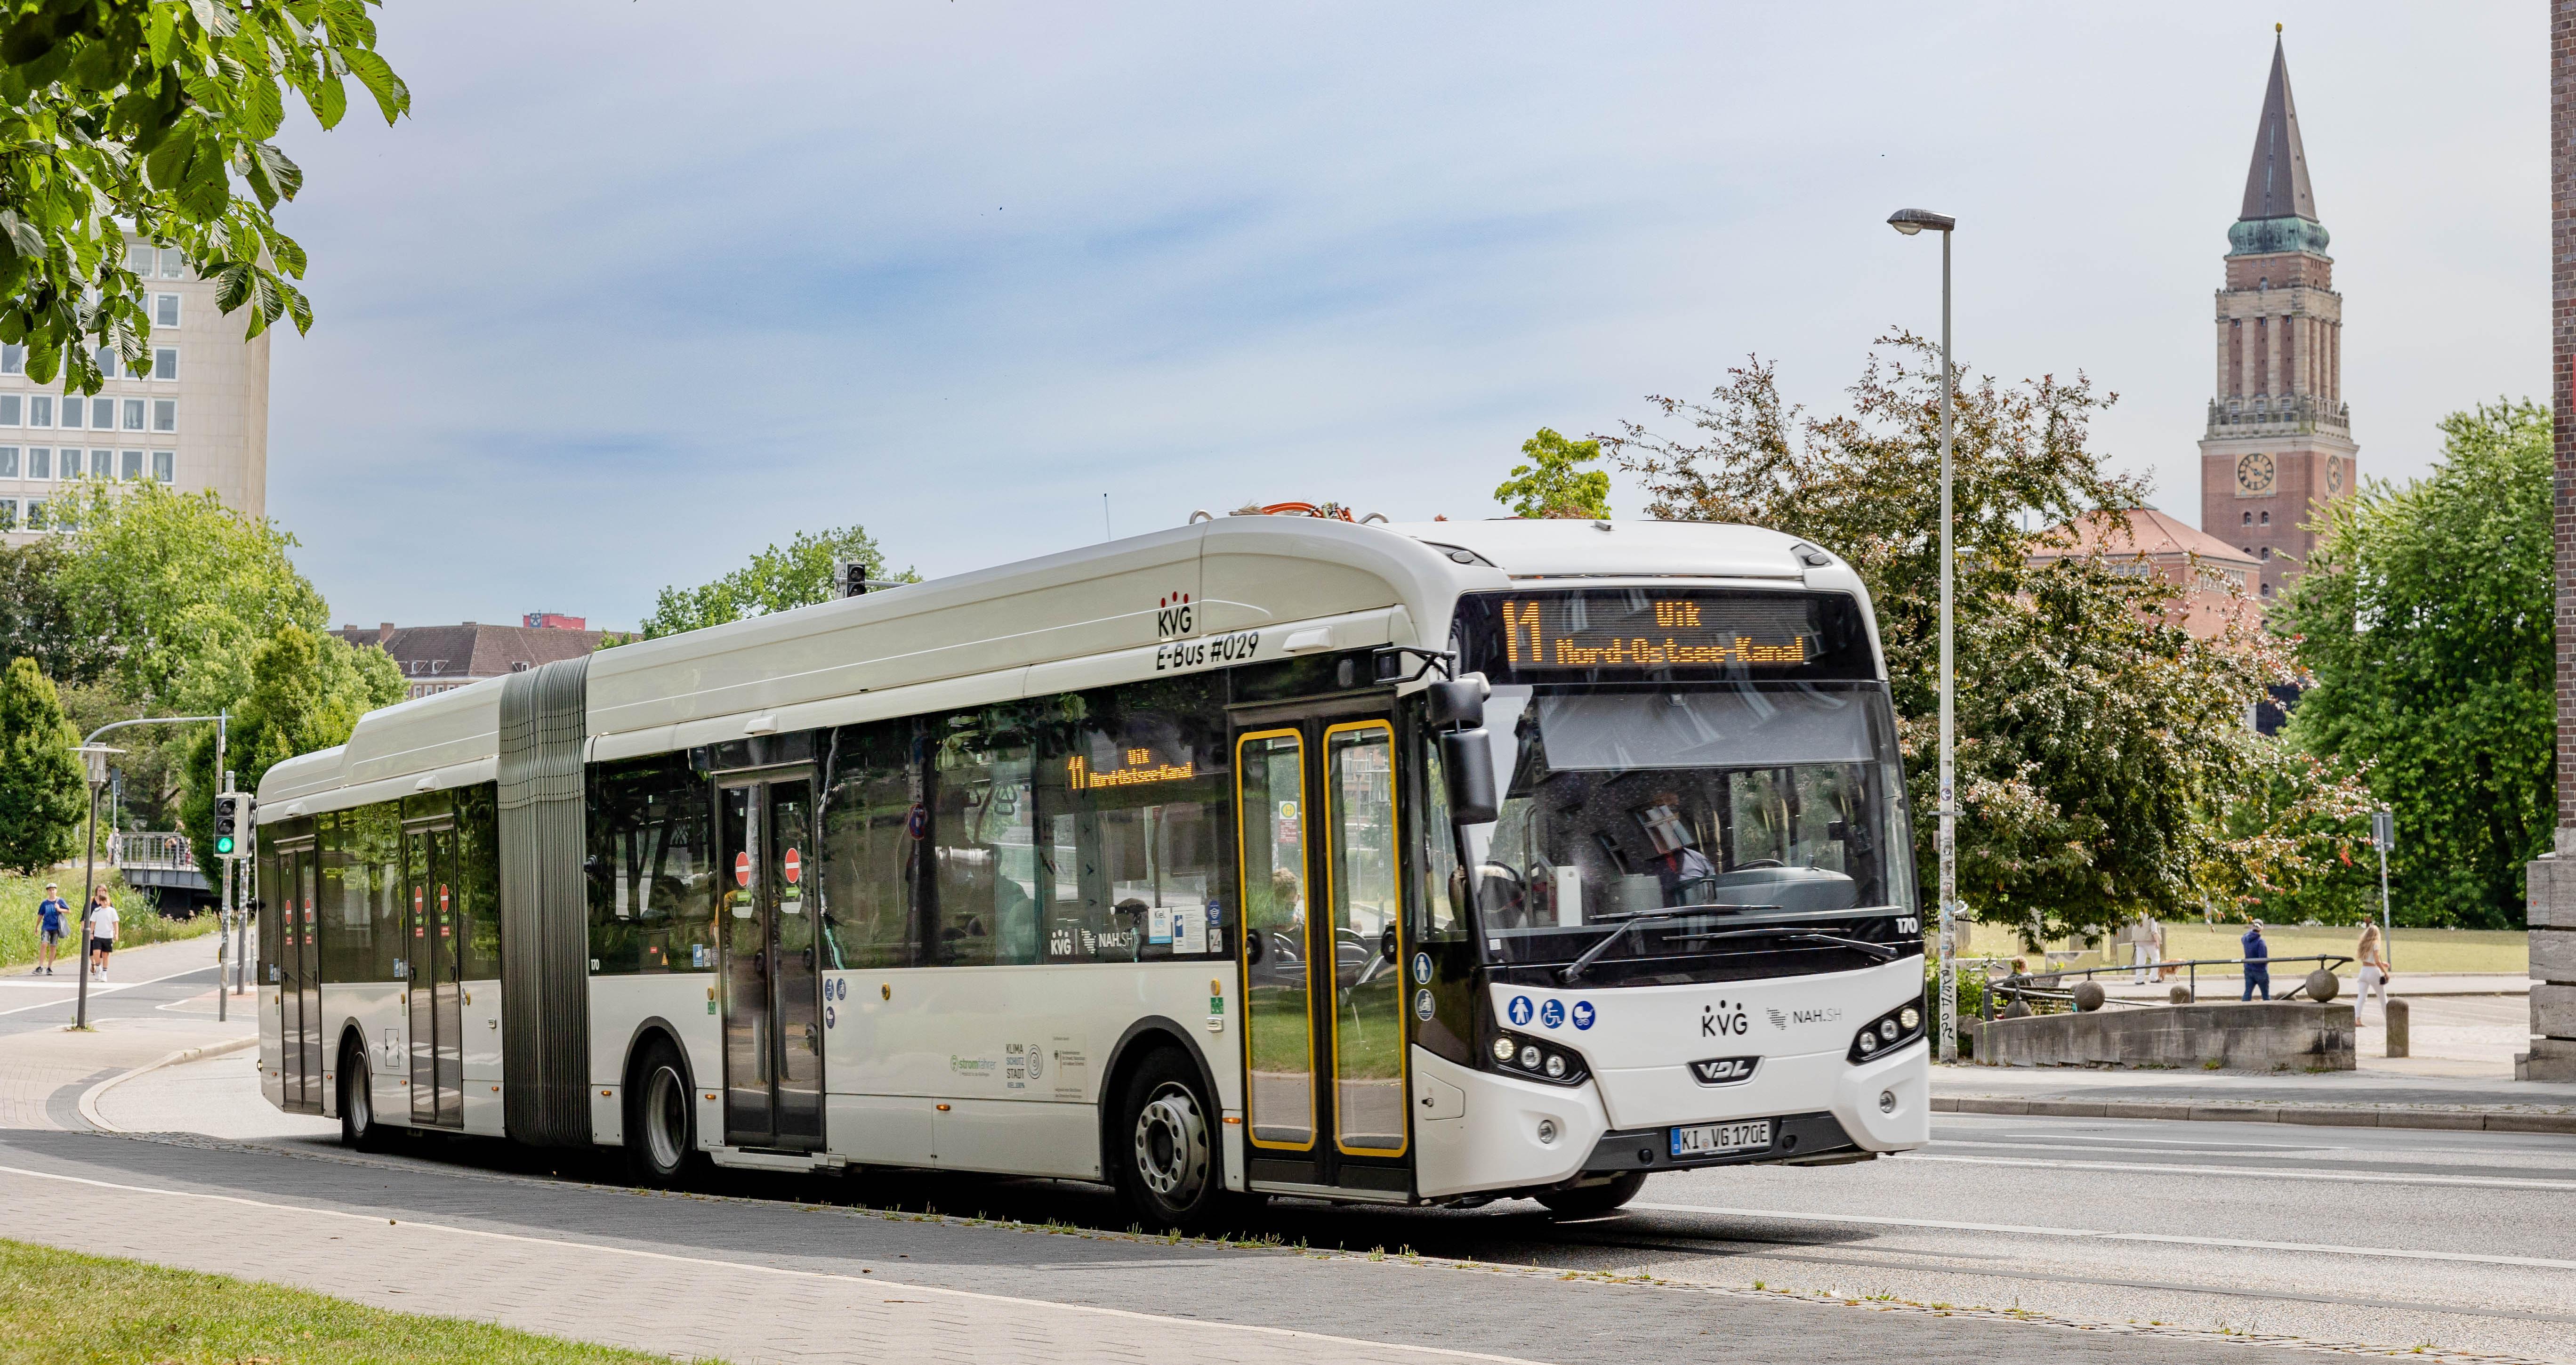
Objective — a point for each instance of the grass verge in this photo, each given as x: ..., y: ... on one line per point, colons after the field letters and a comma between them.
x: 137, y: 922
x: 59, y: 1307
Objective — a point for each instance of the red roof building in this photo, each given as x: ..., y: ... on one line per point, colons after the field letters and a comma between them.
x: 2215, y: 576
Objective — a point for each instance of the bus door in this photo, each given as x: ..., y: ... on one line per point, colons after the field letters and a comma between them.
x: 299, y: 984
x: 1323, y: 978
x: 773, y: 1015
x: 434, y: 962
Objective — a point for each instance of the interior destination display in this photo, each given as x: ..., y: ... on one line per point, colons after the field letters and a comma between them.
x: 1639, y: 630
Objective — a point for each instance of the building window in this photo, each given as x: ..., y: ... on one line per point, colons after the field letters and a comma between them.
x: 107, y: 364
x: 2267, y: 552
x: 41, y: 405
x: 129, y: 464
x: 165, y: 362
x: 172, y: 268
x: 2267, y: 588
x: 165, y: 466
x: 13, y: 359
x: 102, y: 464
x: 132, y: 417
x: 35, y: 514
x: 2267, y: 518
x: 40, y: 462
x: 102, y: 414
x: 12, y: 409
x: 8, y: 514
x: 165, y: 310
x: 2249, y: 518
x: 165, y: 414
x: 8, y: 462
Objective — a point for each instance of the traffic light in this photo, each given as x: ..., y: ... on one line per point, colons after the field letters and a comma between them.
x: 232, y: 819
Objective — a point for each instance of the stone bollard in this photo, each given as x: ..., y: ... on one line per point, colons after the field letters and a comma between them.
x: 2088, y: 996
x: 2323, y: 985
x: 2180, y: 995
x: 2398, y: 1042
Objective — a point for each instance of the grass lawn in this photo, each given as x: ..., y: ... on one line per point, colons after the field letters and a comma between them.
x: 56, y: 1306
x: 137, y: 923
x: 2409, y: 950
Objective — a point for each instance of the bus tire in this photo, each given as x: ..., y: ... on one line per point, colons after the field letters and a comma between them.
x: 1591, y: 1201
x: 661, y: 1121
x: 1165, y: 1155
x: 360, y: 1130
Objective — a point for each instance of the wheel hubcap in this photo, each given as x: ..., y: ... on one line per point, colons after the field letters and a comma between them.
x: 362, y: 1109
x: 666, y: 1118
x: 1172, y: 1146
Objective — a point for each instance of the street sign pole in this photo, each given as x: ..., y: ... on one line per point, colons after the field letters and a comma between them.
x: 223, y: 926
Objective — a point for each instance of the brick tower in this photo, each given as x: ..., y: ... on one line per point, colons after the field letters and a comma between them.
x: 2279, y: 444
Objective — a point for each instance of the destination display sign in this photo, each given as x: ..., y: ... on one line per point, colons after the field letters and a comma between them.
x: 1622, y: 632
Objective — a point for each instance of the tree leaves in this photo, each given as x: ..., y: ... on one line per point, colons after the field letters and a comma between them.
x: 159, y: 115
x: 776, y: 579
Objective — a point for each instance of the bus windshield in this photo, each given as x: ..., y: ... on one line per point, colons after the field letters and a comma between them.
x: 1699, y: 807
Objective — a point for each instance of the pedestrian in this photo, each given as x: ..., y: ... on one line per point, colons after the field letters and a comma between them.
x: 102, y: 931
x: 51, y: 915
x: 2147, y: 939
x: 2373, y: 957
x: 2258, y: 962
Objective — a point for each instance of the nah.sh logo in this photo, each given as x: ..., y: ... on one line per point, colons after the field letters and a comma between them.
x: 1175, y: 617
x: 1721, y: 1020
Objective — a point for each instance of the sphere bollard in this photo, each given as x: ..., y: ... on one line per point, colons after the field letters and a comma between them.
x: 2322, y: 985
x: 2180, y: 995
x: 2088, y: 996
x: 2018, y: 1009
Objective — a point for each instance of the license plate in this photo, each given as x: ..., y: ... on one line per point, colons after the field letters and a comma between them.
x: 1721, y: 1139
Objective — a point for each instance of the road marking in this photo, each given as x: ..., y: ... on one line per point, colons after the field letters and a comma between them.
x: 2346, y: 1177
x: 869, y: 1282
x: 96, y: 990
x: 2097, y: 1234
x: 2145, y: 1142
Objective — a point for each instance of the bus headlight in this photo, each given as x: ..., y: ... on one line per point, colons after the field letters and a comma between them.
x: 1538, y: 1059
x: 1894, y: 1029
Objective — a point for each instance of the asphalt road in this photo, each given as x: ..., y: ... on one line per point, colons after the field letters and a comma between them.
x: 2165, y: 1239
x: 148, y: 983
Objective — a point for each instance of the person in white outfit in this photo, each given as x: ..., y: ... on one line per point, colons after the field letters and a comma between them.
x: 2148, y: 940
x: 102, y: 932
x: 2372, y: 954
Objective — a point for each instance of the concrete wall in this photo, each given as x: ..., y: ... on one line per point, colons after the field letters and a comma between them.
x: 2280, y: 1036
x: 2551, y: 891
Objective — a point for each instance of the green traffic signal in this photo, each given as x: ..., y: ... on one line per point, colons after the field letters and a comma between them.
x: 223, y: 843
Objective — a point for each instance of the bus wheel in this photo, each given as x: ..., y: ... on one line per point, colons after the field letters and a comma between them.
x: 1164, y: 1155
x: 358, y: 1126
x: 661, y: 1123
x: 1591, y: 1201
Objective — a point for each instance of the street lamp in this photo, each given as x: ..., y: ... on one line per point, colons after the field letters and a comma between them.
x: 1910, y: 222
x: 94, y: 758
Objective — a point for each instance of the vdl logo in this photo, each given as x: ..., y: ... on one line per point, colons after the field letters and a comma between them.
x: 1175, y: 617
x: 1723, y: 1070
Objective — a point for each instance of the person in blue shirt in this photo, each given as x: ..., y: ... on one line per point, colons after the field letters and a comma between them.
x: 49, y: 928
x: 2258, y: 962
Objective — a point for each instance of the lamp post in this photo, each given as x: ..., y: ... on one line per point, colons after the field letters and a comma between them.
x: 1910, y: 222
x: 94, y: 758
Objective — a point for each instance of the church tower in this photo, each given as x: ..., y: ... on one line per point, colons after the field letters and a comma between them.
x: 2279, y: 444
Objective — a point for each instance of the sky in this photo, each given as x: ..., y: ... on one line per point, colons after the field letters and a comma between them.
x: 641, y: 287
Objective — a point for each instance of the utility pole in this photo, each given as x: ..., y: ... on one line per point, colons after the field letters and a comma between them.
x: 2383, y: 832
x: 95, y: 755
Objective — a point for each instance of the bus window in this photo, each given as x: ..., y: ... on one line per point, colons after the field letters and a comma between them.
x: 651, y: 868
x: 870, y: 857
x: 369, y: 844
x: 1131, y: 791
x: 478, y: 877
x: 983, y: 835
x: 1440, y: 892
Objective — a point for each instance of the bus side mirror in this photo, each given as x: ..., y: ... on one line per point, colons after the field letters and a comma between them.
x: 1458, y: 705
x: 1467, y: 760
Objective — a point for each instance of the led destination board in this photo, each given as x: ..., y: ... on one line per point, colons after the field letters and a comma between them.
x: 1632, y: 632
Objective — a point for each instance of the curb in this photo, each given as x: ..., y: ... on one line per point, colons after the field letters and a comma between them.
x: 2325, y: 1115
x: 89, y: 1098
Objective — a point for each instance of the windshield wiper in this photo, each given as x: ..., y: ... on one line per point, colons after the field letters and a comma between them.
x: 1879, y: 951
x: 1574, y: 970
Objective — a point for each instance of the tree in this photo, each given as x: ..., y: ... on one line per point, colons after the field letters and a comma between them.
x: 776, y: 579
x: 1550, y: 485
x: 177, y: 591
x: 36, y: 619
x: 2424, y: 618
x: 306, y: 692
x: 135, y: 123
x: 2102, y: 750
x: 43, y: 791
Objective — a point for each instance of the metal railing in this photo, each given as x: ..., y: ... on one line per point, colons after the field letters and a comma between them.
x: 144, y: 848
x: 2050, y: 987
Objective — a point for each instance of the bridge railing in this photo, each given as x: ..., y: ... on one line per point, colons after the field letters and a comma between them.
x: 147, y: 848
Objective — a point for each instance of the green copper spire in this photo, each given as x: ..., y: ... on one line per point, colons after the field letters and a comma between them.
x: 2280, y: 211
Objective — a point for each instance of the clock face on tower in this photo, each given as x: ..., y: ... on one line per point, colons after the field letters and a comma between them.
x: 2254, y: 474
x: 2334, y: 476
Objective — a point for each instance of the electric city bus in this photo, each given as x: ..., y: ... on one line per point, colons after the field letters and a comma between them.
x: 1270, y: 855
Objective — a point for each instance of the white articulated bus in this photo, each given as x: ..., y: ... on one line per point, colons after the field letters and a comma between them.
x: 1415, y: 864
